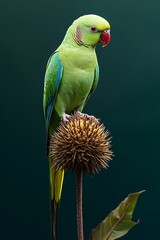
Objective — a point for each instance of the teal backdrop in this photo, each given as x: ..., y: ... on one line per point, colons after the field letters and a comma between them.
x: 126, y: 100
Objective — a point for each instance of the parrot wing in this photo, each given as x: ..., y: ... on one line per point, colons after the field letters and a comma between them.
x: 51, y: 85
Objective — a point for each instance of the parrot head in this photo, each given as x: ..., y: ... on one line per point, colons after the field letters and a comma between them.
x: 88, y: 30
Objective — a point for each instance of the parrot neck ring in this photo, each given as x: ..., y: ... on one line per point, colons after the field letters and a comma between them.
x: 79, y: 41
x: 77, y: 36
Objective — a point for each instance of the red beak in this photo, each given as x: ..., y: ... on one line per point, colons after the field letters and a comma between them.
x: 105, y: 37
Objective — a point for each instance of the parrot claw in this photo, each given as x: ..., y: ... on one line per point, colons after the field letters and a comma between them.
x: 65, y: 117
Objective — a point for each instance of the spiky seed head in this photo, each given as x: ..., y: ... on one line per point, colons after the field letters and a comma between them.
x: 80, y: 143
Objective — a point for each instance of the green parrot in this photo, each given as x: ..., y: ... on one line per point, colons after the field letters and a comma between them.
x: 71, y: 76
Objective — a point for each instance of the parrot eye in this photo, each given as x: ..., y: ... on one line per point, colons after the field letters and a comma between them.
x: 93, y: 29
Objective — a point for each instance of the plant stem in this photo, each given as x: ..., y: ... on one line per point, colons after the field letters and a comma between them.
x: 79, y: 176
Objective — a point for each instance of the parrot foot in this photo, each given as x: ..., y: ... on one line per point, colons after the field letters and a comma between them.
x: 65, y: 117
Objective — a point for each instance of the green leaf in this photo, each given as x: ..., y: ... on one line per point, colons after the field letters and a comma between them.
x: 118, y: 222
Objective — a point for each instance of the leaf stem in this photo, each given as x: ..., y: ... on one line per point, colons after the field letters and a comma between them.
x: 79, y: 180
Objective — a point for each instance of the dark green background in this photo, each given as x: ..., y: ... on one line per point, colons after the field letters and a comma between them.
x: 127, y: 101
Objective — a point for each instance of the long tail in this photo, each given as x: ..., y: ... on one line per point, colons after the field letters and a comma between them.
x: 54, y: 215
x: 56, y: 177
x: 56, y: 182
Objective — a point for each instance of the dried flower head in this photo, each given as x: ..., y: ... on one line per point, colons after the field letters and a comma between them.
x: 80, y: 143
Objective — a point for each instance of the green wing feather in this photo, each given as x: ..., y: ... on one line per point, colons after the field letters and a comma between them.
x: 52, y: 81
x: 96, y: 79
